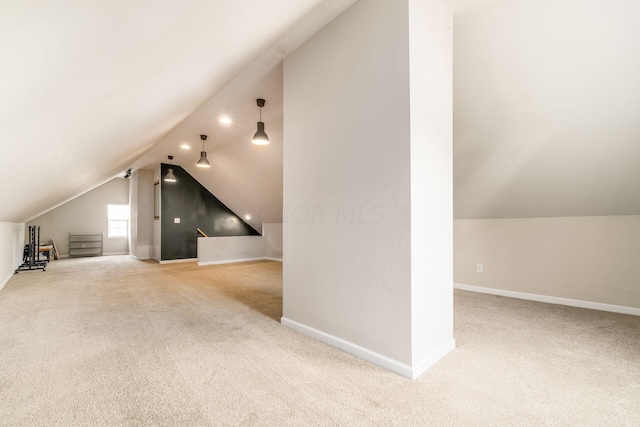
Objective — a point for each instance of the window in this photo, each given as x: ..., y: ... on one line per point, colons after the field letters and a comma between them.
x: 118, y: 220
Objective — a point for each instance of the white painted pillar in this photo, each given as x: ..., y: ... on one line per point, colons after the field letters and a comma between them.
x: 141, y: 207
x: 368, y: 184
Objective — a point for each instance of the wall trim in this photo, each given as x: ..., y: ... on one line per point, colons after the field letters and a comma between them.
x: 370, y: 355
x: 422, y: 366
x: 4, y: 283
x: 13, y: 273
x: 233, y: 261
x: 550, y: 299
x: 175, y: 261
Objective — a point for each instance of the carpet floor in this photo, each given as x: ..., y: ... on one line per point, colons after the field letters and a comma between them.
x: 115, y: 341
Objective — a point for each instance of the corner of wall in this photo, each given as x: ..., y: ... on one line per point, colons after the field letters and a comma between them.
x: 11, y: 247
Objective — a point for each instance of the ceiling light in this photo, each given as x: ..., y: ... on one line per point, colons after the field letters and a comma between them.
x: 170, y: 176
x: 260, y: 138
x: 185, y: 146
x: 247, y: 217
x: 203, y: 162
x: 225, y: 120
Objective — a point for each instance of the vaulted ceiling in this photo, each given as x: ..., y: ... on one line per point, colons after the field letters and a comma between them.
x: 547, y: 109
x: 88, y: 87
x: 545, y: 100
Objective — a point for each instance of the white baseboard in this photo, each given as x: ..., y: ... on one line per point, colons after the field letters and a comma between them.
x: 369, y: 355
x: 349, y: 347
x: 4, y: 283
x: 175, y: 261
x: 143, y: 251
x: 233, y: 261
x: 421, y: 367
x: 550, y: 300
x: 144, y: 259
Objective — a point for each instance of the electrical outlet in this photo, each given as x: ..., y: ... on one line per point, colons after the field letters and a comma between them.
x: 479, y: 268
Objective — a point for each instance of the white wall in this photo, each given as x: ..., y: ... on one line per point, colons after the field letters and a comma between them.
x: 431, y: 63
x: 346, y: 180
x: 133, y: 214
x: 141, y: 202
x: 592, y: 259
x: 222, y: 250
x: 156, y: 240
x: 272, y: 232
x: 546, y: 105
x: 348, y: 188
x: 546, y: 109
x: 86, y: 214
x: 11, y: 249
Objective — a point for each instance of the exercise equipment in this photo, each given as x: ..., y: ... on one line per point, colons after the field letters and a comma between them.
x: 31, y: 255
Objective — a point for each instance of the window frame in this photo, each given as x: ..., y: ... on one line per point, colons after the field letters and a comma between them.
x: 117, y: 222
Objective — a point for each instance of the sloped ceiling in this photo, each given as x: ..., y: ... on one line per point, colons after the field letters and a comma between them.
x: 545, y: 100
x: 547, y: 108
x: 463, y: 7
x: 245, y: 177
x: 88, y: 87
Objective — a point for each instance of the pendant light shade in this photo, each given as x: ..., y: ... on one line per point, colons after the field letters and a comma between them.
x: 170, y: 177
x: 260, y: 137
x: 202, y: 161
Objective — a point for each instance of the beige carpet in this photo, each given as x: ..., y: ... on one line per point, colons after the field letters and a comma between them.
x: 114, y: 341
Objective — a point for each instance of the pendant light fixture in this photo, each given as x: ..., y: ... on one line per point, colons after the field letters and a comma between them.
x: 203, y: 162
x: 260, y: 138
x: 170, y: 177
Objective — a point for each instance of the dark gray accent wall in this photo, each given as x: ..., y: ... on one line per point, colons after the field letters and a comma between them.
x: 196, y: 207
